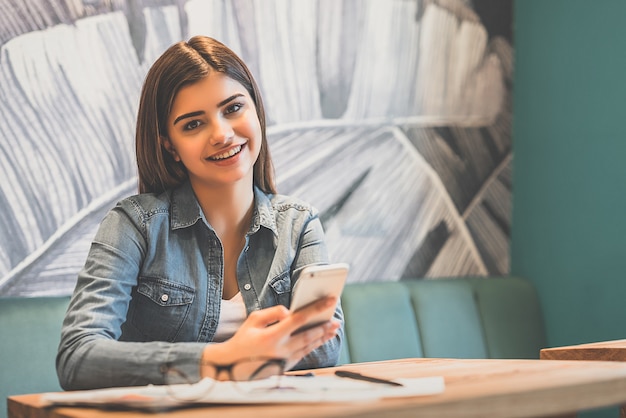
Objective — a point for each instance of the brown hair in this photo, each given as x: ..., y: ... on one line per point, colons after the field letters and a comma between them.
x: 182, y: 64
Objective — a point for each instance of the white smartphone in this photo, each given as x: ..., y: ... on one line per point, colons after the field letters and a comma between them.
x: 316, y: 282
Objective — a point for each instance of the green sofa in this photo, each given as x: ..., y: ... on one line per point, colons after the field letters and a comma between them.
x: 496, y: 317
x: 463, y: 318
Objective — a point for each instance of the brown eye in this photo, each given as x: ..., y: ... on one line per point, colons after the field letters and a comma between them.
x: 233, y: 108
x: 191, y: 125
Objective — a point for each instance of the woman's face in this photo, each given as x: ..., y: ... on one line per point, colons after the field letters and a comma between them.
x: 214, y: 130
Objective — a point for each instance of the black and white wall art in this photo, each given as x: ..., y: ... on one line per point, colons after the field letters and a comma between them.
x: 392, y: 117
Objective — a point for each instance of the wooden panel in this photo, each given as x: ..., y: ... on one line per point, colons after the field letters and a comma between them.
x: 605, y: 351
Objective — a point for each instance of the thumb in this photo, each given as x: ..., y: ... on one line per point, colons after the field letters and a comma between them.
x: 268, y: 316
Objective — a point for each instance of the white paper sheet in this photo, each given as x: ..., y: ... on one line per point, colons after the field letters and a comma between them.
x: 293, y: 390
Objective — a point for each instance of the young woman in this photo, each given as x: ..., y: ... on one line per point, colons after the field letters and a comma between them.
x: 197, y: 269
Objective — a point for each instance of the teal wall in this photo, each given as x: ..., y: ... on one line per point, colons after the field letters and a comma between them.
x: 569, y: 178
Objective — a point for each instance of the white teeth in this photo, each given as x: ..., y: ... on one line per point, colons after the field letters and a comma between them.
x: 228, y: 154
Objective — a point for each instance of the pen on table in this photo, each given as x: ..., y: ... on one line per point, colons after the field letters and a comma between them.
x: 358, y: 376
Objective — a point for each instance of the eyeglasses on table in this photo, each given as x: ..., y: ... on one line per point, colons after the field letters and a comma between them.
x: 248, y: 376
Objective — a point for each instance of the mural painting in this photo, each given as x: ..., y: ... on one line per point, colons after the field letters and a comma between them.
x: 392, y: 117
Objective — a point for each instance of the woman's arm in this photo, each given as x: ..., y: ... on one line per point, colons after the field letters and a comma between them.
x: 90, y: 355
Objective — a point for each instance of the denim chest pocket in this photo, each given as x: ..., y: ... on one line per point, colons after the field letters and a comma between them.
x: 160, y: 308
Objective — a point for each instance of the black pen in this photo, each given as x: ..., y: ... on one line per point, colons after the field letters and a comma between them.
x: 358, y: 376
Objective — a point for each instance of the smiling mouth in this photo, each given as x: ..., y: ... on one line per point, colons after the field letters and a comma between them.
x: 227, y: 154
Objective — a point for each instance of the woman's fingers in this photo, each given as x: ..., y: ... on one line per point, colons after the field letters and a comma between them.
x: 304, y: 342
x: 299, y: 318
x: 285, y: 321
x: 299, y: 343
x: 314, y: 337
x: 268, y: 316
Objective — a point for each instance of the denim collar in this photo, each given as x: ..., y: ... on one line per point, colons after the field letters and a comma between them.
x: 186, y: 210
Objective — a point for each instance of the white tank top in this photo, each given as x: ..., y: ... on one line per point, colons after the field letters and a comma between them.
x: 232, y: 315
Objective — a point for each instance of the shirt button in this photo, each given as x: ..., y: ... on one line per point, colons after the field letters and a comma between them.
x: 165, y: 297
x: 247, y: 286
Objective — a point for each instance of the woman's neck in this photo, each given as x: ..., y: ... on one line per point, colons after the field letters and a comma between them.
x: 228, y: 209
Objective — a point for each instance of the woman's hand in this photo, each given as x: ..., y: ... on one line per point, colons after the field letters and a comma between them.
x: 270, y: 333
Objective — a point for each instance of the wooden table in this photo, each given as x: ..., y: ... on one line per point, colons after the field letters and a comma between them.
x: 614, y: 350
x: 474, y: 388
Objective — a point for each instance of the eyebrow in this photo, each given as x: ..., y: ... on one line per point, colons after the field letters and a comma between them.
x: 201, y: 112
x: 188, y: 115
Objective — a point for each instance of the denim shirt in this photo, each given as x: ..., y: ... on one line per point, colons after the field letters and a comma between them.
x: 151, y: 287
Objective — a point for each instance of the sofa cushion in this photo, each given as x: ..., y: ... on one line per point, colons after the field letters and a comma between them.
x: 512, y: 318
x: 448, y: 318
x: 380, y: 323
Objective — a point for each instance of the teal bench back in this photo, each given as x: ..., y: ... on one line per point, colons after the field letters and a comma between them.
x: 496, y: 317
x: 31, y: 331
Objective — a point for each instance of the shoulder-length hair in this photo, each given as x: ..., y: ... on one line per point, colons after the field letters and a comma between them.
x: 182, y: 64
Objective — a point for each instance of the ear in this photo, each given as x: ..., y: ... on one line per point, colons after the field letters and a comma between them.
x: 169, y: 147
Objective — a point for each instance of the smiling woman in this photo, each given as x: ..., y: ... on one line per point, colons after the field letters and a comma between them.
x: 213, y: 130
x: 190, y: 83
x: 193, y: 269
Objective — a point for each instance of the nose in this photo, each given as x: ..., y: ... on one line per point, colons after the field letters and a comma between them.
x: 222, y: 132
